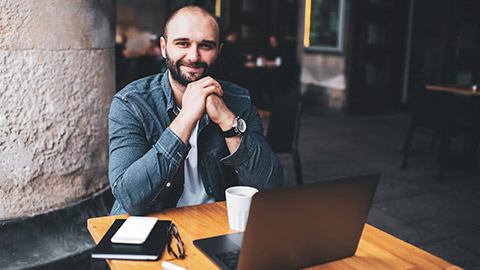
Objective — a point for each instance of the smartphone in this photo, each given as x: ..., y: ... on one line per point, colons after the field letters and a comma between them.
x: 135, y: 230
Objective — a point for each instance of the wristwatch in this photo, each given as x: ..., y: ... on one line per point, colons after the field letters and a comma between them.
x: 238, y: 128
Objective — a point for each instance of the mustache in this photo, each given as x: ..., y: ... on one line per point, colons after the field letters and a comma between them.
x: 198, y: 64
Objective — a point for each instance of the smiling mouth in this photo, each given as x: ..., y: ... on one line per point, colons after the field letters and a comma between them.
x: 190, y: 68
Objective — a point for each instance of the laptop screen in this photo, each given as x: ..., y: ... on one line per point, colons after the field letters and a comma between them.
x: 297, y: 227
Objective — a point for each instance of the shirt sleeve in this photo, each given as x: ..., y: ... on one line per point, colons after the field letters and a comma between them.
x: 254, y: 161
x: 139, y: 172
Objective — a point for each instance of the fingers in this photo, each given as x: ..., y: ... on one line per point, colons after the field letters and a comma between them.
x: 214, y: 100
x: 219, y: 113
x: 195, y: 98
x: 210, y: 86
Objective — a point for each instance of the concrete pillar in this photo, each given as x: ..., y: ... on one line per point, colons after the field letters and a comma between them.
x: 56, y: 83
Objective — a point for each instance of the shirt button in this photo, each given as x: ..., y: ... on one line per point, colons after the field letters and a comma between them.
x: 169, y: 184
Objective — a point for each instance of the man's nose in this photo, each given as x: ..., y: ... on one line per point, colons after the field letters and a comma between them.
x: 193, y: 54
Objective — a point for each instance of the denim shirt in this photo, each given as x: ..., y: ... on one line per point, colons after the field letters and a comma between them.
x: 146, y: 156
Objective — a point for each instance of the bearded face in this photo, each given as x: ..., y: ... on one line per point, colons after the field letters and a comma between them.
x: 185, y: 77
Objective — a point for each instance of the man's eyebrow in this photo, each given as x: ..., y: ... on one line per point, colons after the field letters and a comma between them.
x: 181, y: 39
x: 208, y: 41
x: 211, y: 42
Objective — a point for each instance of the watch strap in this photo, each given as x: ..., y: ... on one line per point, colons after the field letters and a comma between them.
x: 232, y: 132
x: 229, y: 133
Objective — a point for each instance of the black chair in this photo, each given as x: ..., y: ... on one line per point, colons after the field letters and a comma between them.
x: 284, y: 128
x: 448, y: 115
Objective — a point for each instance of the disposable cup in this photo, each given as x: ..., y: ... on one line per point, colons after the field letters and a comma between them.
x: 238, y: 205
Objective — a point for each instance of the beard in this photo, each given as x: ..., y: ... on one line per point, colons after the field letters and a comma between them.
x: 184, y: 78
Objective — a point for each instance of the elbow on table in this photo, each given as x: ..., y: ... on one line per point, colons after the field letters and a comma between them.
x: 276, y: 180
x: 275, y: 175
x: 273, y: 180
x: 129, y: 204
x: 135, y: 211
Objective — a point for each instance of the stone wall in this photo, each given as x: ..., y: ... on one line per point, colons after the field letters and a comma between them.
x: 57, y: 79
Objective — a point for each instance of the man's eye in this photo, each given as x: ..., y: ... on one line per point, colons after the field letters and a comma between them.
x: 182, y: 44
x: 206, y: 46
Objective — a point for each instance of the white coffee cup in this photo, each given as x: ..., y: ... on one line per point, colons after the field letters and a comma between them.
x: 259, y: 62
x: 238, y: 205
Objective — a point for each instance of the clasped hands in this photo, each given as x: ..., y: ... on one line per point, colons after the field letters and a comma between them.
x: 206, y: 95
x: 200, y: 96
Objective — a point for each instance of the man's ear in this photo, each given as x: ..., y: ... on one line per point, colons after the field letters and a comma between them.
x: 163, y: 45
x: 220, y: 48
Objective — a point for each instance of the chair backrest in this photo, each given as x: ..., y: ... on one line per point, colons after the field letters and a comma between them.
x: 444, y: 109
x: 284, y: 124
x: 430, y: 108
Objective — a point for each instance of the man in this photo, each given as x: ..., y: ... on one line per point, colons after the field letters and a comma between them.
x: 182, y: 138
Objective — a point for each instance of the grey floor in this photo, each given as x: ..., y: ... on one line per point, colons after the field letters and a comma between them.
x: 442, y: 218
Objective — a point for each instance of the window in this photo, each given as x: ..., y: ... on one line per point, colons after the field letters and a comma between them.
x: 324, y: 25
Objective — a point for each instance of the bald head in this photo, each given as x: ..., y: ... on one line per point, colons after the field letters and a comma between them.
x: 190, y: 44
x: 191, y: 11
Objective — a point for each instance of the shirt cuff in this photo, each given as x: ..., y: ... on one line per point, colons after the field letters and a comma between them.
x: 172, y: 146
x: 241, y: 154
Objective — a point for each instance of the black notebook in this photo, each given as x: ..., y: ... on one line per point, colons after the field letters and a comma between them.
x: 150, y: 250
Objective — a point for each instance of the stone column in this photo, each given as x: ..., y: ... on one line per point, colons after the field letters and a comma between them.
x: 57, y: 79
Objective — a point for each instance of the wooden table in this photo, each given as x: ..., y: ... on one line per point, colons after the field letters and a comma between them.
x: 376, y: 250
x: 466, y: 90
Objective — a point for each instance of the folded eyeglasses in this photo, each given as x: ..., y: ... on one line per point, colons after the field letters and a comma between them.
x: 180, y: 254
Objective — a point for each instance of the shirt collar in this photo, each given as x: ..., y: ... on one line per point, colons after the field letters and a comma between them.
x: 167, y: 91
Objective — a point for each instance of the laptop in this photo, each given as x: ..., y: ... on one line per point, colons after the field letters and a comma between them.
x: 297, y: 227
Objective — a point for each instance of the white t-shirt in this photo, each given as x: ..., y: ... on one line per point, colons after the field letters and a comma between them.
x: 194, y: 190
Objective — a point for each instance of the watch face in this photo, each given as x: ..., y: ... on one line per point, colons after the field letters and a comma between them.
x: 242, y: 126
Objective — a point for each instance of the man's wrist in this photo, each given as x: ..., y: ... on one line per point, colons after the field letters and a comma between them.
x: 182, y: 126
x: 227, y: 123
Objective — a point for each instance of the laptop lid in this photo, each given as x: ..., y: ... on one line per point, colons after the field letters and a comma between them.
x: 297, y: 227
